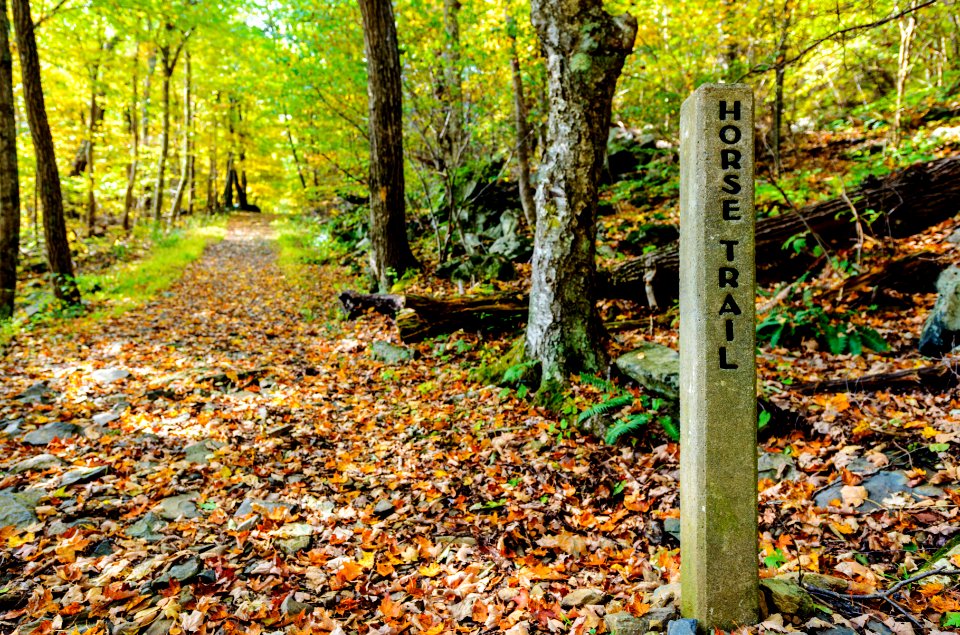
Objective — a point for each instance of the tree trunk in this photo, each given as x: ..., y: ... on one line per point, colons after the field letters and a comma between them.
x: 585, y: 48
x: 909, y: 201
x: 908, y: 26
x: 183, y: 185
x: 9, y: 175
x: 390, y: 254
x: 524, y: 133
x: 91, y: 172
x: 231, y: 174
x: 164, y: 136
x: 48, y: 177
x: 129, y: 194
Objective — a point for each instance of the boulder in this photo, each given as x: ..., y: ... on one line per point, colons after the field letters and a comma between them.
x: 182, y: 506
x: 390, y: 354
x: 777, y: 466
x: 40, y: 392
x: 655, y: 367
x: 624, y: 623
x: 183, y: 572
x: 582, y: 597
x: 147, y: 528
x: 941, y: 332
x: 883, y: 489
x: 79, y: 475
x: 36, y: 463
x: 106, y: 376
x: 682, y: 627
x: 786, y: 596
x: 16, y: 510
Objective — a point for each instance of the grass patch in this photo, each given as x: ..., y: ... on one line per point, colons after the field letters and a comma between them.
x: 122, y: 287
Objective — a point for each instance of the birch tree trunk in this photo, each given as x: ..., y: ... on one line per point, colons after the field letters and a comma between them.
x: 585, y: 48
x: 524, y: 131
x: 48, y: 176
x: 9, y: 175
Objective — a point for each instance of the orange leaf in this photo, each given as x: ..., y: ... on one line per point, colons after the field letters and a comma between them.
x: 350, y: 571
x: 389, y: 608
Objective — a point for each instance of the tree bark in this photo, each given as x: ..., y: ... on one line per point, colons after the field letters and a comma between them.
x: 91, y: 171
x: 909, y: 201
x: 129, y: 194
x: 585, y: 48
x: 390, y: 254
x: 183, y: 185
x: 48, y: 177
x: 9, y: 175
x: 936, y: 377
x: 524, y: 132
x: 164, y: 136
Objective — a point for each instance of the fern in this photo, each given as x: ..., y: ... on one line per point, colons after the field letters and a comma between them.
x: 613, y: 403
x: 598, y: 382
x: 872, y: 339
x: 669, y: 426
x: 626, y: 426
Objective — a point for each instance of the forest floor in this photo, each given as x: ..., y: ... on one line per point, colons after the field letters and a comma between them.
x: 214, y: 462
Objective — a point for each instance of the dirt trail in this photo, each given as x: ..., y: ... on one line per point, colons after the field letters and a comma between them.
x: 216, y: 442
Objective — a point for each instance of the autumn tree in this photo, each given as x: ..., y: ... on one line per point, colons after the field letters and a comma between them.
x: 585, y: 48
x: 9, y: 175
x: 390, y: 254
x: 48, y: 176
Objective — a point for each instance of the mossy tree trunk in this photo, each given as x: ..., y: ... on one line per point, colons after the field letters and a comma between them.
x: 585, y: 49
x: 9, y: 179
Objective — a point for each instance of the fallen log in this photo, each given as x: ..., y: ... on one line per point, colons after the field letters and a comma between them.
x: 910, y: 274
x: 906, y: 203
x: 936, y: 377
x: 419, y: 317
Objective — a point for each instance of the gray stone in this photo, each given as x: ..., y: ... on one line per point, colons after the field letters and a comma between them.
x: 941, y: 331
x: 623, y: 623
x: 249, y: 523
x: 182, y: 506
x: 718, y: 407
x: 582, y: 597
x: 104, y: 418
x: 682, y: 627
x: 672, y: 527
x: 159, y: 627
x: 16, y: 510
x: 183, y: 572
x: 146, y: 528
x: 666, y: 595
x: 786, y: 596
x: 51, y: 431
x: 250, y: 505
x: 202, y: 451
x: 777, y: 466
x: 291, y: 546
x: 106, y: 376
x: 954, y: 237
x: 80, y: 475
x: 292, y: 607
x: 383, y: 509
x: 877, y: 627
x: 658, y: 619
x: 653, y: 366
x: 40, y: 392
x: 512, y: 244
x: 36, y: 463
x: 11, y: 427
x: 881, y: 487
x: 390, y: 353
x: 838, y: 630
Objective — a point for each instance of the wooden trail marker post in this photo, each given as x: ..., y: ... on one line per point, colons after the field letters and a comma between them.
x: 719, y: 570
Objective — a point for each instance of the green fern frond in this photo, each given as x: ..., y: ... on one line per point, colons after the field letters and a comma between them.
x: 598, y: 382
x: 614, y: 403
x: 626, y: 426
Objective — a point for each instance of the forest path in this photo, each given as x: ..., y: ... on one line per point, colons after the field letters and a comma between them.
x: 217, y: 439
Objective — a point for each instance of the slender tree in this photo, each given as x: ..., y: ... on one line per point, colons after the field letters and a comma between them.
x: 169, y: 54
x: 48, y: 176
x: 390, y: 254
x: 9, y: 175
x: 585, y: 48
x: 524, y: 131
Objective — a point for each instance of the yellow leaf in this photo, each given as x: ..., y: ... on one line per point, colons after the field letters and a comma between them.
x: 367, y: 560
x: 15, y: 541
x: 430, y: 571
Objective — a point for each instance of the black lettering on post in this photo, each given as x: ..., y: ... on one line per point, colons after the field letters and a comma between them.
x: 730, y: 159
x: 732, y: 132
x: 732, y: 184
x: 728, y: 277
x: 729, y: 245
x: 729, y: 330
x: 731, y: 205
x: 724, y: 364
x: 724, y: 111
x: 730, y: 306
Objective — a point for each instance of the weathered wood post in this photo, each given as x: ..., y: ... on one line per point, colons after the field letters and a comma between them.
x: 718, y: 420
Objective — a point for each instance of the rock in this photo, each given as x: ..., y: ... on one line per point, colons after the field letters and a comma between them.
x: 383, y: 509
x: 658, y: 619
x: 390, y: 353
x: 624, y: 623
x: 249, y: 523
x: 292, y: 607
x: 51, y: 431
x: 666, y: 595
x: 777, y: 466
x: 682, y: 627
x: 954, y: 237
x: 104, y: 418
x: 582, y: 597
x: 655, y: 367
x: 291, y: 546
x: 250, y: 505
x: 16, y: 510
x: 106, y: 376
x: 941, y: 331
x: 11, y: 427
x: 146, y: 528
x: 876, y: 627
x: 786, y: 596
x: 160, y: 627
x: 820, y: 581
x: 672, y: 527
x: 512, y: 244
x: 182, y: 572
x: 82, y: 475
x: 883, y: 489
x: 39, y: 462
x: 40, y: 392
x: 838, y: 630
x: 201, y: 451
x: 182, y: 506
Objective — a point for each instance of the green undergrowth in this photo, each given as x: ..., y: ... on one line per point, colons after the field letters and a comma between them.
x: 123, y: 286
